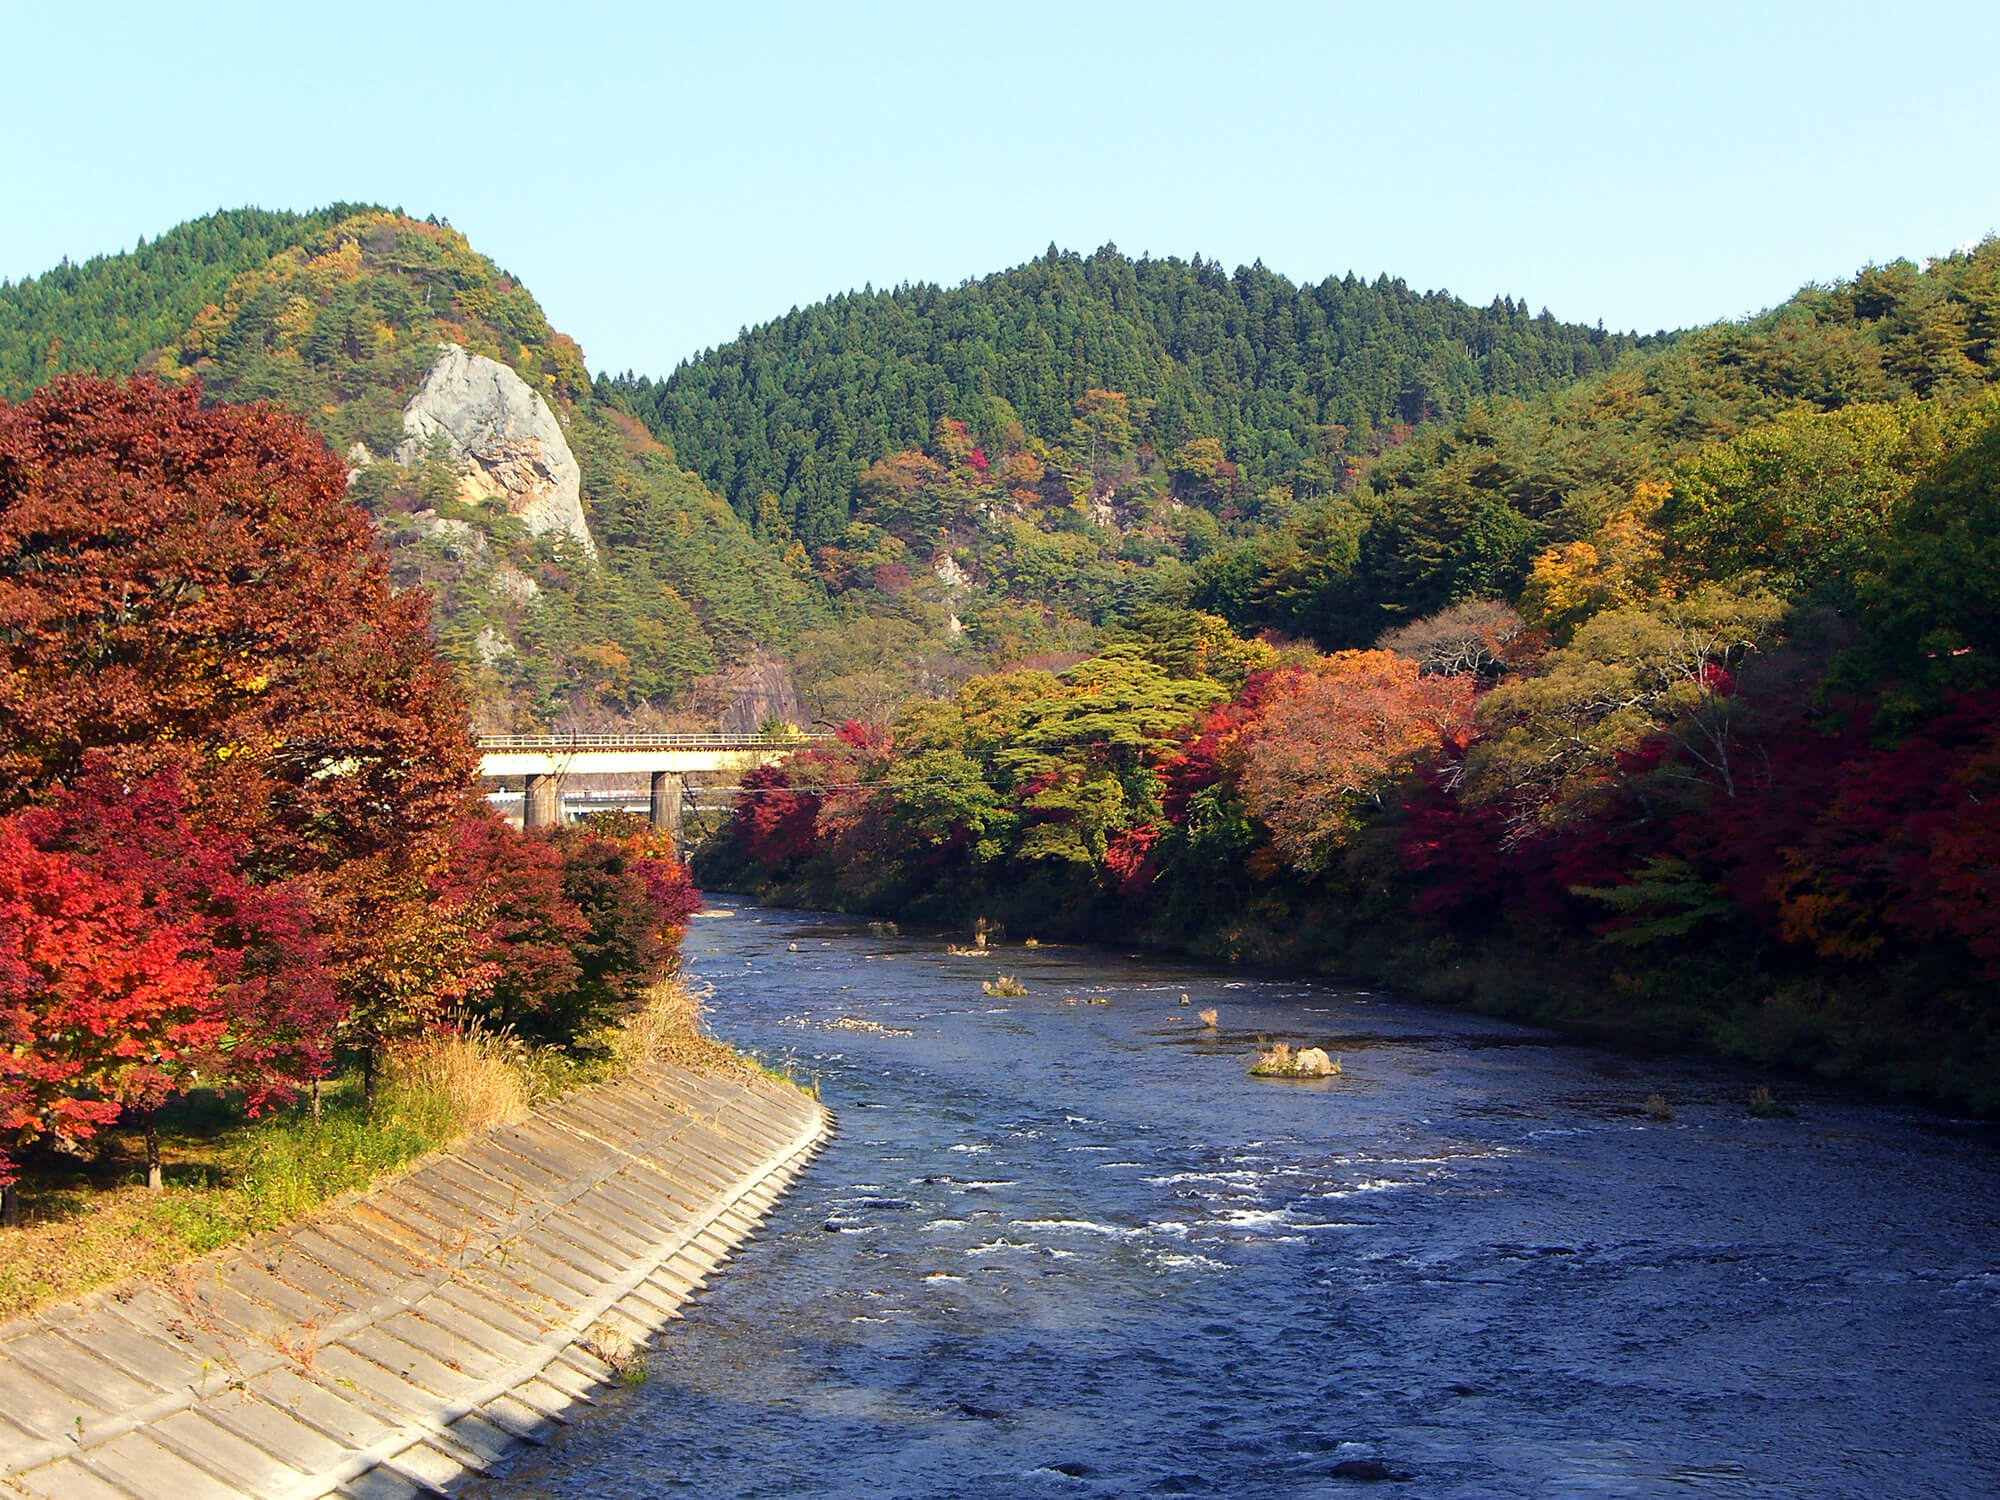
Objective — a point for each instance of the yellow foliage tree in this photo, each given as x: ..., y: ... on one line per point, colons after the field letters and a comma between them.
x: 1621, y: 565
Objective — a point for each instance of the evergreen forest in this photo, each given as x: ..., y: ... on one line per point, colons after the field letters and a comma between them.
x: 1289, y: 380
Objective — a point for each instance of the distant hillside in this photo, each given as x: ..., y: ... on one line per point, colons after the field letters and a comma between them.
x: 338, y: 315
x: 1460, y: 511
x: 113, y: 311
x: 1289, y: 379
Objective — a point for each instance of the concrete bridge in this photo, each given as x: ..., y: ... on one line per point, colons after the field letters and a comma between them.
x: 542, y: 762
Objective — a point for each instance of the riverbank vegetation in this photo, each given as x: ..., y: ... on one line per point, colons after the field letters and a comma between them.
x: 1666, y: 705
x: 251, y: 902
x: 89, y: 1219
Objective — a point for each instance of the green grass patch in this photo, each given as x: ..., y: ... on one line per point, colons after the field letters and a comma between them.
x: 227, y: 1177
x: 89, y: 1221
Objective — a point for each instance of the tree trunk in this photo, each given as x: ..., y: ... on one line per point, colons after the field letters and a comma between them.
x: 368, y: 1077
x: 315, y: 1099
x: 10, y: 1206
x: 154, y: 1179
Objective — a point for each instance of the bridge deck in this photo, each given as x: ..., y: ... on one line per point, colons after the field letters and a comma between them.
x: 505, y: 755
x: 548, y: 742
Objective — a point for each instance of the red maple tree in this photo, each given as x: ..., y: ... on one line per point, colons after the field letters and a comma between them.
x: 137, y: 958
x: 189, y: 585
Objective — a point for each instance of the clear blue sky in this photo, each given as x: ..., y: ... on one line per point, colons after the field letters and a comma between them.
x: 661, y: 175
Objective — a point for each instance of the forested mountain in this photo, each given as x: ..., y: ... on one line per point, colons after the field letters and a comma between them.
x: 113, y: 311
x: 969, y: 476
x: 920, y: 484
x: 1289, y: 379
x: 1667, y: 703
x: 1001, y: 470
x: 1461, y: 510
x: 338, y: 315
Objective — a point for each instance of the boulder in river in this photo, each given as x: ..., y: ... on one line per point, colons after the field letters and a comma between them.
x: 1281, y: 1061
x: 1365, y: 1470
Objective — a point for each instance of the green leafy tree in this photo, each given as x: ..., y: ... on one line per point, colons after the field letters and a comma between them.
x: 1804, y: 501
x: 1558, y: 740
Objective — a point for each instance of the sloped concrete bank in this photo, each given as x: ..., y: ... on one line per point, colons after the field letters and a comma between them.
x: 386, y: 1348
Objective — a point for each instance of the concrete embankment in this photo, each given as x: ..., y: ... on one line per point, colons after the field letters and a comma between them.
x: 386, y: 1348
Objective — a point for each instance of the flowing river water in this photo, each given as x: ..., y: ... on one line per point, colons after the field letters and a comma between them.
x: 1063, y: 1245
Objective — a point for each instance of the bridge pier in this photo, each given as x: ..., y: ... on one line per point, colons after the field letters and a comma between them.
x: 540, y: 806
x: 541, y: 763
x: 668, y: 789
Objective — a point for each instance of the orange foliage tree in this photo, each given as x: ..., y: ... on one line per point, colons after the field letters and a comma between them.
x: 1338, y: 738
x: 137, y: 958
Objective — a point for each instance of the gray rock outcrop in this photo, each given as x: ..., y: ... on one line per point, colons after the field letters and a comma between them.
x: 762, y: 689
x: 491, y: 646
x: 507, y: 443
x: 510, y: 583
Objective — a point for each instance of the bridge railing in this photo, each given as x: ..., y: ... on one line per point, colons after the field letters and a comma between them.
x: 557, y: 743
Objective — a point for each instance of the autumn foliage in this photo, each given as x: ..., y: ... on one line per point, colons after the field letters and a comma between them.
x: 239, y: 823
x: 185, y: 581
x: 136, y: 958
x: 1695, y: 800
x: 1340, y: 739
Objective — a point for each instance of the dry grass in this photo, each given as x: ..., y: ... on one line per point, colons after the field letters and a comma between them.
x: 1280, y: 1061
x: 464, y: 1081
x: 89, y: 1223
x: 610, y: 1344
x: 1005, y: 986
x: 669, y: 1029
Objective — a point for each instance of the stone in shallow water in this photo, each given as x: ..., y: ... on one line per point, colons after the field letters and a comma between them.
x: 1365, y: 1470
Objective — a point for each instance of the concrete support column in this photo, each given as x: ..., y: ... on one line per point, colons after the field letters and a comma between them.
x: 540, y: 808
x: 668, y: 789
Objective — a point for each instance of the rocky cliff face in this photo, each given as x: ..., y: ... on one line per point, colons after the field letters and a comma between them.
x: 760, y: 689
x: 506, y: 441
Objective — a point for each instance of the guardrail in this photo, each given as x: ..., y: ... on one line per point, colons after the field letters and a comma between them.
x: 561, y: 742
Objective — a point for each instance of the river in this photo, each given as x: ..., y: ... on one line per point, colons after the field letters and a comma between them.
x: 1063, y: 1245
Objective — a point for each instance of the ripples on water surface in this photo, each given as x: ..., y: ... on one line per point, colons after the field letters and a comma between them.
x: 1070, y: 1249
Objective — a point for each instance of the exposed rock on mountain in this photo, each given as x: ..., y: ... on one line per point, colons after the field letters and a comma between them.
x: 505, y: 439
x: 491, y: 646
x: 509, y: 582
x: 760, y: 690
